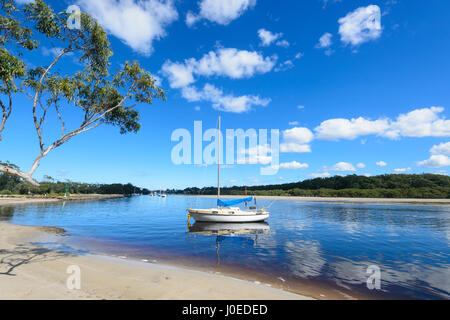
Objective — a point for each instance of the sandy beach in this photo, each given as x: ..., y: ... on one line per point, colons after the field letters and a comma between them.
x: 380, y: 201
x: 29, y: 271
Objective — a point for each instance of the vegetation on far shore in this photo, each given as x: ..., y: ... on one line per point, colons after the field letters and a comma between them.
x: 418, y: 186
x: 12, y: 185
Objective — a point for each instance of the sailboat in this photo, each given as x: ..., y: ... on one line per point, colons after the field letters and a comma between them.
x: 224, y: 211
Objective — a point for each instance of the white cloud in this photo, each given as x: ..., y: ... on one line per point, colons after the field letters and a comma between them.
x: 420, y: 123
x: 294, y: 123
x: 227, y: 62
x: 299, y: 55
x: 257, y: 155
x: 402, y: 170
x: 335, y: 129
x: 288, y: 64
x: 283, y: 43
x: 295, y: 147
x: 178, y: 74
x: 361, y: 25
x: 325, y: 41
x: 301, y: 107
x: 221, y: 101
x: 343, y: 166
x: 320, y: 175
x: 136, y: 23
x: 297, y: 140
x: 443, y: 148
x: 361, y: 165
x: 220, y: 11
x: 293, y: 165
x: 435, y: 161
x: 381, y: 164
x: 267, y: 37
x: 424, y: 122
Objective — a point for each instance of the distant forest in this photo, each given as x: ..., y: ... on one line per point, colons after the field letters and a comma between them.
x: 425, y: 186
x: 10, y: 185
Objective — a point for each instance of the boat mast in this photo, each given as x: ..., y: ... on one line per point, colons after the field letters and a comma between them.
x: 218, y: 163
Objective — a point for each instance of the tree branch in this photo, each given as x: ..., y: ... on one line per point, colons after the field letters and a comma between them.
x: 85, y: 126
x: 35, y: 101
x: 18, y: 173
x: 6, y: 112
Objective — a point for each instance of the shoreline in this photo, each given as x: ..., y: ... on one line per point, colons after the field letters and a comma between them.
x: 377, y: 201
x: 30, y: 271
x: 25, y: 199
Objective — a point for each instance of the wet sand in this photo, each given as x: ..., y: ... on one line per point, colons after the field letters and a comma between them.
x: 30, y: 271
x: 379, y: 201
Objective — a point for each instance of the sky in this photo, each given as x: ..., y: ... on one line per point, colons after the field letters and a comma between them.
x: 354, y: 87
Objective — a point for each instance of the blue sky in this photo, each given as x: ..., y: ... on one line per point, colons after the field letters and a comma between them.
x: 356, y: 86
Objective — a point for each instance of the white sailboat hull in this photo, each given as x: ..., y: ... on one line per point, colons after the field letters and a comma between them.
x: 220, y: 216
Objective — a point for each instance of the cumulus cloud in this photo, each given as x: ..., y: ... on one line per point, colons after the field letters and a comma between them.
x: 136, y: 23
x: 361, y: 165
x: 325, y: 41
x: 439, y: 157
x: 361, y: 25
x: 335, y: 129
x: 267, y: 37
x: 425, y: 122
x: 435, y: 161
x: 227, y: 62
x: 443, y: 148
x: 420, y: 123
x: 296, y: 139
x: 381, y: 164
x: 256, y: 155
x: 320, y: 175
x: 220, y: 11
x: 283, y: 43
x: 294, y: 165
x: 221, y: 101
x: 402, y: 169
x: 343, y: 166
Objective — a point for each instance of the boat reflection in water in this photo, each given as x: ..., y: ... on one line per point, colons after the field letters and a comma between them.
x: 222, y: 231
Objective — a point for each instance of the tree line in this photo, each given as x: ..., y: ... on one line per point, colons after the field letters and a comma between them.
x: 10, y: 185
x: 430, y: 186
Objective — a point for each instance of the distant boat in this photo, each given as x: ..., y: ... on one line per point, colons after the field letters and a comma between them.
x: 224, y: 212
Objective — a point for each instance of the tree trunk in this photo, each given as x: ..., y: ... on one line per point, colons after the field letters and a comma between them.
x: 19, y: 174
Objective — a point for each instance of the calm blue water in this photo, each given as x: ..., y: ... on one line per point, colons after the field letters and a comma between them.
x: 302, y: 243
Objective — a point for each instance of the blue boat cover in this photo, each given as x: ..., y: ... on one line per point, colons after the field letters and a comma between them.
x: 228, y: 203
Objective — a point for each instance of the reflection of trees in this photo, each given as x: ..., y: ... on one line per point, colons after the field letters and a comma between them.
x: 6, y: 213
x: 400, y: 216
x: 10, y: 259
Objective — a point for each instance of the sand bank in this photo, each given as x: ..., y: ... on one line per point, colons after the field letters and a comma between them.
x: 29, y: 271
x: 380, y: 201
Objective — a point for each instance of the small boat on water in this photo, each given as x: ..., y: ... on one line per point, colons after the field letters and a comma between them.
x: 224, y: 211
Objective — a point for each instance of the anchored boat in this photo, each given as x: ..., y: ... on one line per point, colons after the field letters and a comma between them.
x: 224, y: 211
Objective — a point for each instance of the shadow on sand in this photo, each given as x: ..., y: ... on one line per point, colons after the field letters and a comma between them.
x: 11, y: 259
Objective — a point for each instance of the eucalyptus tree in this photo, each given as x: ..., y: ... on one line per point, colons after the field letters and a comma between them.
x: 102, y: 97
